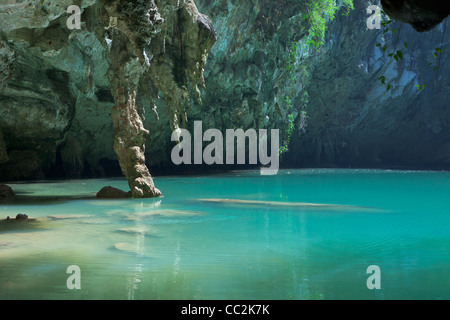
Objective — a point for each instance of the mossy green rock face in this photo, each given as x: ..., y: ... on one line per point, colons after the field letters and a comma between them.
x: 351, y: 119
x: 60, y: 116
x: 56, y: 102
x: 47, y: 88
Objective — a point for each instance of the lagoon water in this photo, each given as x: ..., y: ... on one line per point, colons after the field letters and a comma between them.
x: 272, y: 245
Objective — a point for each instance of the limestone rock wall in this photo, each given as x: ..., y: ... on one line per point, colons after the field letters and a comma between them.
x: 53, y: 80
x: 56, y: 102
x: 58, y: 86
x: 352, y: 120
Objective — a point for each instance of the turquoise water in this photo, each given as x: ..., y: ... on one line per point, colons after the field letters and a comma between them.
x: 183, y: 246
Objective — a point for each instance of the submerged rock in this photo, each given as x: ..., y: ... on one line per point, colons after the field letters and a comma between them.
x: 69, y: 216
x: 281, y: 204
x: 137, y: 231
x: 162, y: 213
x: 19, y: 217
x: 127, y: 247
x: 113, y: 193
x: 22, y: 223
x: 133, y: 230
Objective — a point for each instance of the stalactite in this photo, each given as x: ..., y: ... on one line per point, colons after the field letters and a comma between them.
x: 137, y: 49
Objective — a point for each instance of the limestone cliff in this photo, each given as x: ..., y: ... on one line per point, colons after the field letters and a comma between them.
x: 59, y: 86
x: 151, y: 47
x: 352, y: 120
x: 60, y: 82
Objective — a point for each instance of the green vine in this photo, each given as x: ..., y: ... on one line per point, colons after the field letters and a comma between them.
x: 290, y: 127
x: 317, y: 13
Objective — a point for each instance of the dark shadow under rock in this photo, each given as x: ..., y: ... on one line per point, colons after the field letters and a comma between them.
x: 113, y: 193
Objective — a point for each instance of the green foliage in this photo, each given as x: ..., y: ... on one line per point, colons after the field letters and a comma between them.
x: 397, y: 55
x: 420, y: 87
x: 317, y: 13
x: 290, y: 127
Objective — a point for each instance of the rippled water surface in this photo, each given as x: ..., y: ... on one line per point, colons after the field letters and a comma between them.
x: 271, y: 244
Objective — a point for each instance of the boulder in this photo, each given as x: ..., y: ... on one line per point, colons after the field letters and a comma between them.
x: 19, y: 217
x: 113, y: 193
